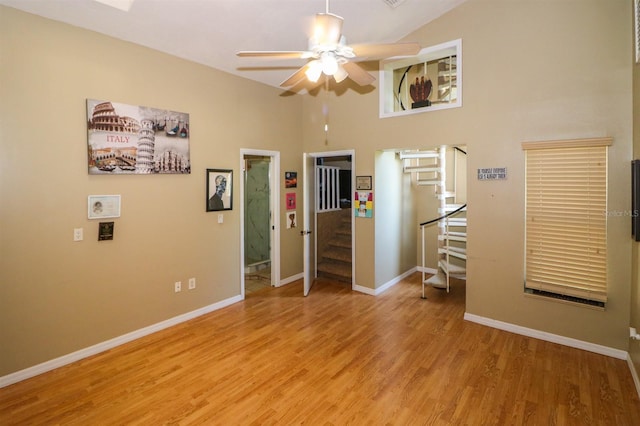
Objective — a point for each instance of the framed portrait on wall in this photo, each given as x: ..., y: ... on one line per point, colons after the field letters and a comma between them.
x: 219, y: 189
x: 103, y: 206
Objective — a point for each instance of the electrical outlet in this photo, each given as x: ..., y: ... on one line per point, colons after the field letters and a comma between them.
x: 192, y: 283
x: 77, y: 234
x: 177, y: 286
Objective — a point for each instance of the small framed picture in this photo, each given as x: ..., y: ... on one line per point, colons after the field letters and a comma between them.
x: 292, y: 221
x: 103, y: 206
x: 291, y: 201
x: 363, y: 183
x: 105, y: 231
x: 290, y: 179
x: 219, y: 189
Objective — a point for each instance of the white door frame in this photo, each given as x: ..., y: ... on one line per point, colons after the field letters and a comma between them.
x: 309, y: 195
x: 324, y: 154
x: 274, y: 201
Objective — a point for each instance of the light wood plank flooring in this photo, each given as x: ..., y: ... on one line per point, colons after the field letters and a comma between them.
x: 334, y: 358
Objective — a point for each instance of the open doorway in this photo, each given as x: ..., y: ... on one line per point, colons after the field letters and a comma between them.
x: 333, y: 236
x: 260, y: 245
x: 439, y: 189
x: 328, y: 218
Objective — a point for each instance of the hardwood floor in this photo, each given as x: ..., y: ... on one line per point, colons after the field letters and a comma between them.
x: 336, y: 357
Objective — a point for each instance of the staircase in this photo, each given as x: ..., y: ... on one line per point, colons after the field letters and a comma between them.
x: 334, y: 247
x: 430, y: 168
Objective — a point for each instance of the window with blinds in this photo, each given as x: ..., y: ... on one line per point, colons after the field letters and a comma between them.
x: 566, y: 220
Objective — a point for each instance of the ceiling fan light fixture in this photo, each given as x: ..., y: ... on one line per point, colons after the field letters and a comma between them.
x: 329, y: 63
x: 328, y: 29
x: 340, y: 74
x: 314, y: 69
x: 329, y: 54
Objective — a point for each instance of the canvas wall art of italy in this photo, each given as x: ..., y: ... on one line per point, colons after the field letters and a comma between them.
x: 128, y: 139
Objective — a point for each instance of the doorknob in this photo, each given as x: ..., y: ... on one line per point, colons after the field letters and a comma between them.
x: 303, y: 233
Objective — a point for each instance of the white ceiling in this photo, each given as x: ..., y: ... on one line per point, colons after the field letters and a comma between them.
x: 210, y: 32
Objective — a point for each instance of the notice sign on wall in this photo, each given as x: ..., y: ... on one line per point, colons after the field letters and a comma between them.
x: 494, y: 173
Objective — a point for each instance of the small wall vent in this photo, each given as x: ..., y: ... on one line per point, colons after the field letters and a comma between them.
x: 393, y: 3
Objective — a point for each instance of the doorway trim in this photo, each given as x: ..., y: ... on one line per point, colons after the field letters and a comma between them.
x: 274, y: 201
x: 325, y: 154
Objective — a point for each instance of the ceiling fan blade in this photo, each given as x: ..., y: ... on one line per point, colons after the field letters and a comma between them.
x: 328, y: 29
x: 357, y: 74
x: 275, y: 54
x: 380, y: 51
x: 296, y: 77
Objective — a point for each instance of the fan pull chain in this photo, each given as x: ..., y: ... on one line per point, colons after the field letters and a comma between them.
x: 325, y: 109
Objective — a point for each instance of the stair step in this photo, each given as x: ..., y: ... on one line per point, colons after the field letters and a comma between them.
x: 343, y: 231
x: 339, y: 254
x: 342, y: 241
x: 459, y: 252
x: 425, y: 182
x: 453, y: 236
x: 446, y: 194
x: 418, y: 154
x: 451, y: 207
x: 439, y: 280
x: 455, y: 206
x: 453, y: 270
x: 421, y: 169
x: 336, y: 270
x: 346, y: 221
x: 454, y: 222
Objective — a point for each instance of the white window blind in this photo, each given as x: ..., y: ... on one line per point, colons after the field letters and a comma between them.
x: 566, y: 221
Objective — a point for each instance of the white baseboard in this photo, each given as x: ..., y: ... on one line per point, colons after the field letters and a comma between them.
x: 634, y: 374
x: 291, y: 279
x: 111, y: 343
x: 385, y: 286
x: 549, y: 337
x: 365, y: 290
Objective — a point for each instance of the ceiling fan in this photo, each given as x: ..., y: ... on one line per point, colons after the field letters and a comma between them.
x: 329, y: 54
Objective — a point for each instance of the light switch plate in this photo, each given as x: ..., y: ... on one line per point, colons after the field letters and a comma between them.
x: 77, y: 234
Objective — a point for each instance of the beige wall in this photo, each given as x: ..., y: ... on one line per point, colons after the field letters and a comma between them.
x: 529, y: 73
x: 395, y: 219
x: 58, y: 296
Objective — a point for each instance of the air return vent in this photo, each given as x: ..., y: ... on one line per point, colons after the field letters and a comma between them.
x: 393, y: 3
